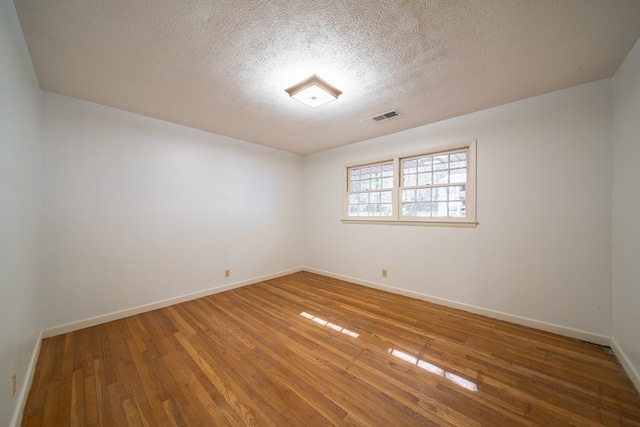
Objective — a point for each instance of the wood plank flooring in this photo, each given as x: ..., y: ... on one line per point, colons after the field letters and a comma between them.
x: 307, y: 350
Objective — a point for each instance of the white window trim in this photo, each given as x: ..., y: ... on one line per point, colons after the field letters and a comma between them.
x: 396, y: 219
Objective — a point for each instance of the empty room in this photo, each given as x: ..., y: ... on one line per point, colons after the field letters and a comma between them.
x: 360, y: 213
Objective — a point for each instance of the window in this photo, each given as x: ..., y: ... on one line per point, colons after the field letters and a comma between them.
x: 370, y: 190
x: 431, y: 187
x: 434, y: 185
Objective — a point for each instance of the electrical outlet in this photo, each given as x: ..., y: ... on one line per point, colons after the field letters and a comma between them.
x: 13, y: 384
x: 384, y: 272
x: 227, y: 273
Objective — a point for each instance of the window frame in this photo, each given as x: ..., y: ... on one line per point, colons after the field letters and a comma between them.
x: 394, y: 191
x: 396, y: 218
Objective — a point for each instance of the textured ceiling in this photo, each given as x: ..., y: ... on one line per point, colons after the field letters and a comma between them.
x: 223, y: 65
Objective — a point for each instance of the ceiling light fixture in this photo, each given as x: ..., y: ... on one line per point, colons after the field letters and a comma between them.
x: 313, y: 92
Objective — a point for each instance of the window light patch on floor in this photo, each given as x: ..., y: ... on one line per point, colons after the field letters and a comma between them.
x: 430, y: 367
x: 329, y: 324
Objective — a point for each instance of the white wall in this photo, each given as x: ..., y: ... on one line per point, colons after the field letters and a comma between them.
x: 20, y: 209
x: 626, y: 213
x: 542, y: 250
x: 137, y: 210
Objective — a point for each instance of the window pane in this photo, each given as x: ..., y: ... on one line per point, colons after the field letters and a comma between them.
x: 374, y: 197
x: 385, y: 197
x: 458, y: 176
x: 385, y: 209
x: 456, y: 209
x: 376, y: 183
x: 409, y: 180
x: 423, y: 209
x: 441, y: 177
x: 456, y: 192
x: 439, y: 193
x: 353, y: 199
x: 409, y: 166
x: 365, y: 185
x: 439, y: 209
x: 387, y: 182
x: 458, y: 160
x: 424, y: 164
x: 424, y: 179
x: 441, y: 162
x: 387, y: 170
x: 423, y: 195
x: 408, y: 195
x: 353, y: 210
x: 364, y: 198
x: 409, y: 209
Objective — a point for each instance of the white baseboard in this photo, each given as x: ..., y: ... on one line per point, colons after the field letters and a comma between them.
x: 16, y: 420
x: 631, y: 370
x: 81, y: 324
x: 524, y: 321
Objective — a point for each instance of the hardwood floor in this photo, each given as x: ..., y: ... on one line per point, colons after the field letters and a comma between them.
x: 308, y: 350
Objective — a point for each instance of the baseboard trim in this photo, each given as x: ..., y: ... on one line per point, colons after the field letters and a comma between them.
x: 524, y: 321
x: 16, y: 420
x: 97, y: 320
x: 631, y: 370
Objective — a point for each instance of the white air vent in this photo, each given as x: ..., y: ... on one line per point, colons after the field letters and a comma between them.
x: 384, y: 116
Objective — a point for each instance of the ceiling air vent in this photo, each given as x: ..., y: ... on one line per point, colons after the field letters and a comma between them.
x: 384, y: 116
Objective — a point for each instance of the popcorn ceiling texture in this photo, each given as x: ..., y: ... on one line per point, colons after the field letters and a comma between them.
x: 223, y: 65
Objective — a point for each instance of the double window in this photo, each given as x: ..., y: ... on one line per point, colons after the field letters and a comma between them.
x: 432, y: 187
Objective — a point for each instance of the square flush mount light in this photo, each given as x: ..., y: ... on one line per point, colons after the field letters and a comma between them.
x: 313, y: 92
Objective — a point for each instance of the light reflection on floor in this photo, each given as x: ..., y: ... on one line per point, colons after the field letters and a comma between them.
x: 329, y: 324
x: 423, y: 364
x: 430, y: 367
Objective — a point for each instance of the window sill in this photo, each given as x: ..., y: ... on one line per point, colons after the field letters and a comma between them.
x: 461, y: 224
